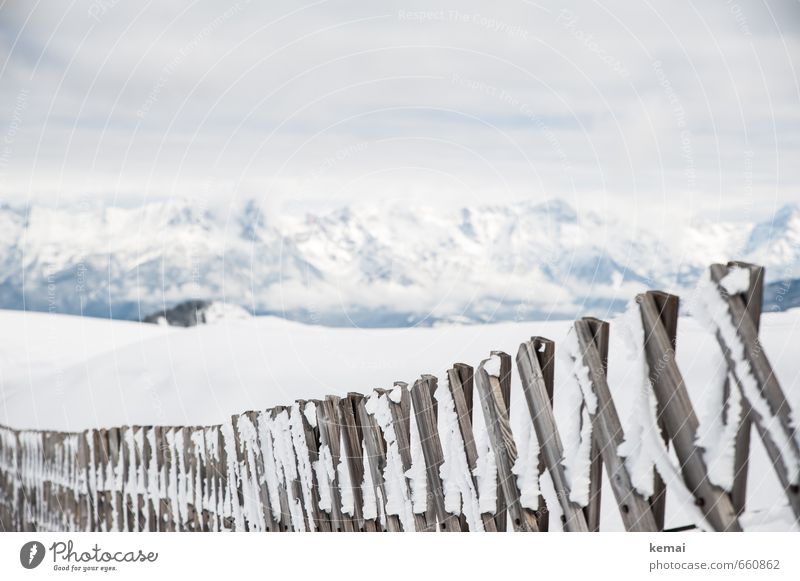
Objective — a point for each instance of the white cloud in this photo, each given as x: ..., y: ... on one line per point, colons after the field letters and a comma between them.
x: 615, y: 104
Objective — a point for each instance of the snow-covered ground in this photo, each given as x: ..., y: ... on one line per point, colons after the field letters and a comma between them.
x: 72, y: 373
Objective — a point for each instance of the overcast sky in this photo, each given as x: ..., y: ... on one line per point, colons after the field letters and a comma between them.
x: 671, y: 105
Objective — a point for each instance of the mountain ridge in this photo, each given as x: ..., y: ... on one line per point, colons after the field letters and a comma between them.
x: 366, y: 265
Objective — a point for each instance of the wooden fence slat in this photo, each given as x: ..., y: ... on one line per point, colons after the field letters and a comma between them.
x: 753, y: 299
x: 376, y: 462
x: 668, y: 306
x: 495, y: 413
x: 460, y: 382
x: 248, y: 453
x: 501, y: 518
x: 216, y: 477
x: 401, y: 418
x: 599, y: 332
x: 544, y: 423
x: 128, y: 462
x: 260, y: 466
x: 546, y: 354
x: 424, y: 411
x: 171, y: 471
x: 84, y: 508
x: 607, y: 433
x: 283, y: 486
x: 680, y: 419
x: 309, y: 447
x: 769, y: 389
x: 101, y: 466
x: 115, y: 467
x: 466, y: 378
x: 352, y: 451
x: 330, y: 436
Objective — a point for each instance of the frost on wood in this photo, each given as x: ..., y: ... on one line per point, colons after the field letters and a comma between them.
x: 398, y: 501
x: 304, y: 468
x: 526, y: 468
x: 643, y: 448
x: 492, y: 366
x: 576, y: 431
x: 713, y: 311
x: 310, y: 411
x: 251, y: 486
x: 486, y: 465
x: 323, y: 468
x: 368, y: 490
x: 417, y: 476
x: 736, y: 281
x: 551, y: 501
x: 396, y: 394
x: 637, y: 453
x: 285, y: 462
x: 719, y: 425
x: 285, y: 452
x: 233, y: 474
x: 345, y: 482
x: 460, y: 496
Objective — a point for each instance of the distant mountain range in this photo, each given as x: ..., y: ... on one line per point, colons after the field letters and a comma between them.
x: 370, y: 266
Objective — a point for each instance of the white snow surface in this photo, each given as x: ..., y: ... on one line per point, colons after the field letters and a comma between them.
x: 736, y: 281
x: 72, y: 373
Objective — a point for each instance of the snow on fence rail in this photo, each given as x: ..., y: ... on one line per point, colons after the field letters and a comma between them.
x: 426, y: 458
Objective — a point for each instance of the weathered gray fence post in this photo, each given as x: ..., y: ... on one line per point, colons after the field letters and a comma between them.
x: 544, y: 423
x: 668, y: 306
x: 310, y: 448
x: 285, y: 520
x: 424, y: 412
x: 768, y: 387
x: 501, y: 518
x: 376, y: 461
x: 607, y: 431
x: 680, y: 419
x: 495, y: 414
x: 329, y: 435
x: 546, y: 353
x: 401, y: 419
x: 599, y: 333
x: 460, y: 383
x: 753, y: 300
x: 351, y: 436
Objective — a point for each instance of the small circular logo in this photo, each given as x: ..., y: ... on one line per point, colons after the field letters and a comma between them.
x: 31, y: 554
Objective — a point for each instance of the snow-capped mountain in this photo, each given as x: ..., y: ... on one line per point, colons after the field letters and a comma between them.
x: 369, y: 266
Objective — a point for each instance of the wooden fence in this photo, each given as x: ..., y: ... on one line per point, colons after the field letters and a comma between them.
x: 419, y: 458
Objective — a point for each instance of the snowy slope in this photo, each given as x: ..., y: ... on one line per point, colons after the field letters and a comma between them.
x: 114, y: 373
x: 368, y: 266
